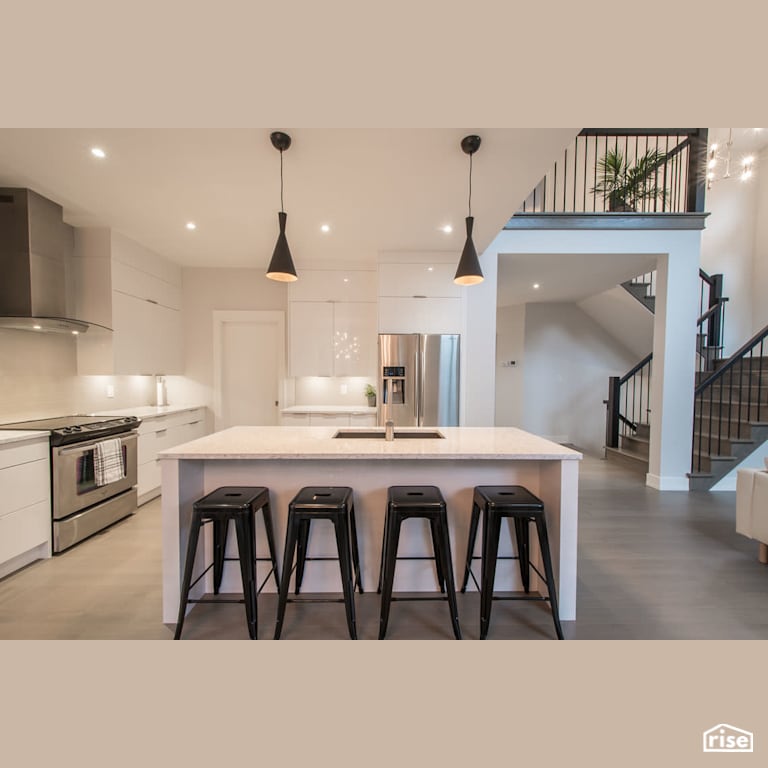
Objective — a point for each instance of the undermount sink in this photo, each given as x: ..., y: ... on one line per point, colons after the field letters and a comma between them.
x: 366, y: 434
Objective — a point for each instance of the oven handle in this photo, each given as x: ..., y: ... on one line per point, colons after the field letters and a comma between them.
x: 90, y: 446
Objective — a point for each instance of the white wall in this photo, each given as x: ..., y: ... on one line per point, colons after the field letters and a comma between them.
x: 510, y: 346
x: 759, y: 281
x: 624, y: 318
x: 38, y: 379
x: 206, y: 290
x: 568, y: 358
x: 727, y: 247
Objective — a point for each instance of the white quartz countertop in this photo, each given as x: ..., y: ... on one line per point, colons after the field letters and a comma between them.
x: 19, y: 435
x: 328, y: 409
x: 318, y: 443
x: 148, y: 411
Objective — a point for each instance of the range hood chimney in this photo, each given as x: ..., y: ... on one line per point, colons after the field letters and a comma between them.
x: 36, y: 248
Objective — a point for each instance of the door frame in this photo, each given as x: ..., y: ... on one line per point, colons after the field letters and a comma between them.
x: 274, y: 318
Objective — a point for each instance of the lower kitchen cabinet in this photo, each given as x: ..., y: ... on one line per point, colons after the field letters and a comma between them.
x: 158, y: 433
x: 328, y: 419
x: 25, y: 503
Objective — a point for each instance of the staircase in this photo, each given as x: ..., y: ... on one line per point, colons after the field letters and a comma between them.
x: 731, y: 399
x: 730, y: 413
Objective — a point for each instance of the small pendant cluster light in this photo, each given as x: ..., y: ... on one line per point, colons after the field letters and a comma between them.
x: 281, y: 265
x: 468, y: 271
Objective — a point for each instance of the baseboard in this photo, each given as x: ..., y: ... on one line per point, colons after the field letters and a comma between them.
x: 669, y: 483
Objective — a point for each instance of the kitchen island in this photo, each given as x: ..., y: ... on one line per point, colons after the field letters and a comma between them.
x: 285, y: 459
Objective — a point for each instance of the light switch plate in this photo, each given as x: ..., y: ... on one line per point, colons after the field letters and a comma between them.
x: 110, y: 390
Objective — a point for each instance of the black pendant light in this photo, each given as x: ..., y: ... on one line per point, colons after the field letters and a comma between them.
x: 468, y: 271
x: 281, y: 266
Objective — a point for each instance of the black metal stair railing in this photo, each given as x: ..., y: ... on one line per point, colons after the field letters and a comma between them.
x: 729, y: 400
x: 665, y: 166
x: 629, y: 402
x: 711, y: 322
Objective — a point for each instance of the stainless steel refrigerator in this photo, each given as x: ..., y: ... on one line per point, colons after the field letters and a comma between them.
x: 419, y: 379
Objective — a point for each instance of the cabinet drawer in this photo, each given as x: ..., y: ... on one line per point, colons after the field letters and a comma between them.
x: 24, y: 485
x: 294, y: 419
x: 21, y: 453
x: 328, y: 419
x: 24, y: 529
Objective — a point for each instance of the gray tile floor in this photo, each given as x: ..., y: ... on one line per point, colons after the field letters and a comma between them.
x: 651, y: 565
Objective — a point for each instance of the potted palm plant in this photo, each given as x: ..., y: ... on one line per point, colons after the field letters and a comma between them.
x: 625, y: 186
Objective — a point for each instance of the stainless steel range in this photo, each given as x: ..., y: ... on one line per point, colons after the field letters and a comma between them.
x: 85, y: 499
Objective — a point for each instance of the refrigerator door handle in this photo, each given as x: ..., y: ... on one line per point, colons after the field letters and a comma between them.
x: 420, y: 371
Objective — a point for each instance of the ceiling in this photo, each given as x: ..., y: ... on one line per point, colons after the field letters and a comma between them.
x: 378, y: 189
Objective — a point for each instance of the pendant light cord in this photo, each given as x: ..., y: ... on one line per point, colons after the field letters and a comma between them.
x: 469, y: 203
x: 282, y: 210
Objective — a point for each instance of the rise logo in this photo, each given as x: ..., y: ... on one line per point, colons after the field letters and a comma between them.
x: 728, y: 738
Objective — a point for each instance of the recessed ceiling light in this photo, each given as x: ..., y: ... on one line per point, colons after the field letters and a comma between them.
x: 75, y: 333
x: 37, y: 327
x: 325, y: 228
x: 430, y: 269
x: 447, y: 228
x: 346, y: 279
x: 191, y: 225
x: 98, y: 152
x: 536, y: 286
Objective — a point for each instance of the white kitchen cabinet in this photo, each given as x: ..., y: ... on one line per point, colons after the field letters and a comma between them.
x: 158, y: 433
x: 137, y: 294
x: 334, y: 285
x: 430, y: 280
x: 328, y: 419
x: 25, y: 503
x: 420, y: 298
x: 362, y: 419
x: 332, y: 338
x: 400, y: 314
x: 294, y: 419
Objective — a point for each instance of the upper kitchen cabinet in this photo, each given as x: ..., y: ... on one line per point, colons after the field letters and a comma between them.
x: 419, y: 298
x: 332, y: 323
x: 124, y: 286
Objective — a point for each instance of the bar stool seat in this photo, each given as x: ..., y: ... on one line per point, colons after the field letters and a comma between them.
x: 416, y: 501
x: 334, y: 503
x: 237, y: 503
x: 497, y: 502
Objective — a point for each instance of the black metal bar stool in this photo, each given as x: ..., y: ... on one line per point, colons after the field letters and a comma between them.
x: 238, y: 503
x: 321, y: 503
x: 416, y: 501
x: 517, y: 502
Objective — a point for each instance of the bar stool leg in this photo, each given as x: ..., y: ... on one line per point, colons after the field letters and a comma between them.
x: 244, y: 530
x: 473, y: 521
x: 436, y: 539
x: 220, y: 529
x: 491, y: 530
x: 523, y: 550
x: 266, y: 511
x: 345, y: 566
x: 383, y: 552
x: 541, y: 528
x: 290, y: 546
x: 355, y: 552
x: 194, y: 535
x: 390, y: 558
x: 301, y: 552
x: 444, y: 552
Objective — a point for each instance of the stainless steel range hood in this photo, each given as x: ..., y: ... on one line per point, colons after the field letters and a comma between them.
x: 36, y: 250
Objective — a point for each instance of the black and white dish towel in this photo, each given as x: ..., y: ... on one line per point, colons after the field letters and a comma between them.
x: 108, y: 464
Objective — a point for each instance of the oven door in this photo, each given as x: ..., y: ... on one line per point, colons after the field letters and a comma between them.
x: 74, y: 482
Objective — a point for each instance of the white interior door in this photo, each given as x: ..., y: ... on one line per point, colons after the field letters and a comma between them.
x: 249, y: 363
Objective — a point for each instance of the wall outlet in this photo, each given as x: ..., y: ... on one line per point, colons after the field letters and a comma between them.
x: 508, y: 364
x: 110, y: 390
x: 343, y: 389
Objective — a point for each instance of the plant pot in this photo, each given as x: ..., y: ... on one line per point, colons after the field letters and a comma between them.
x: 371, y: 401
